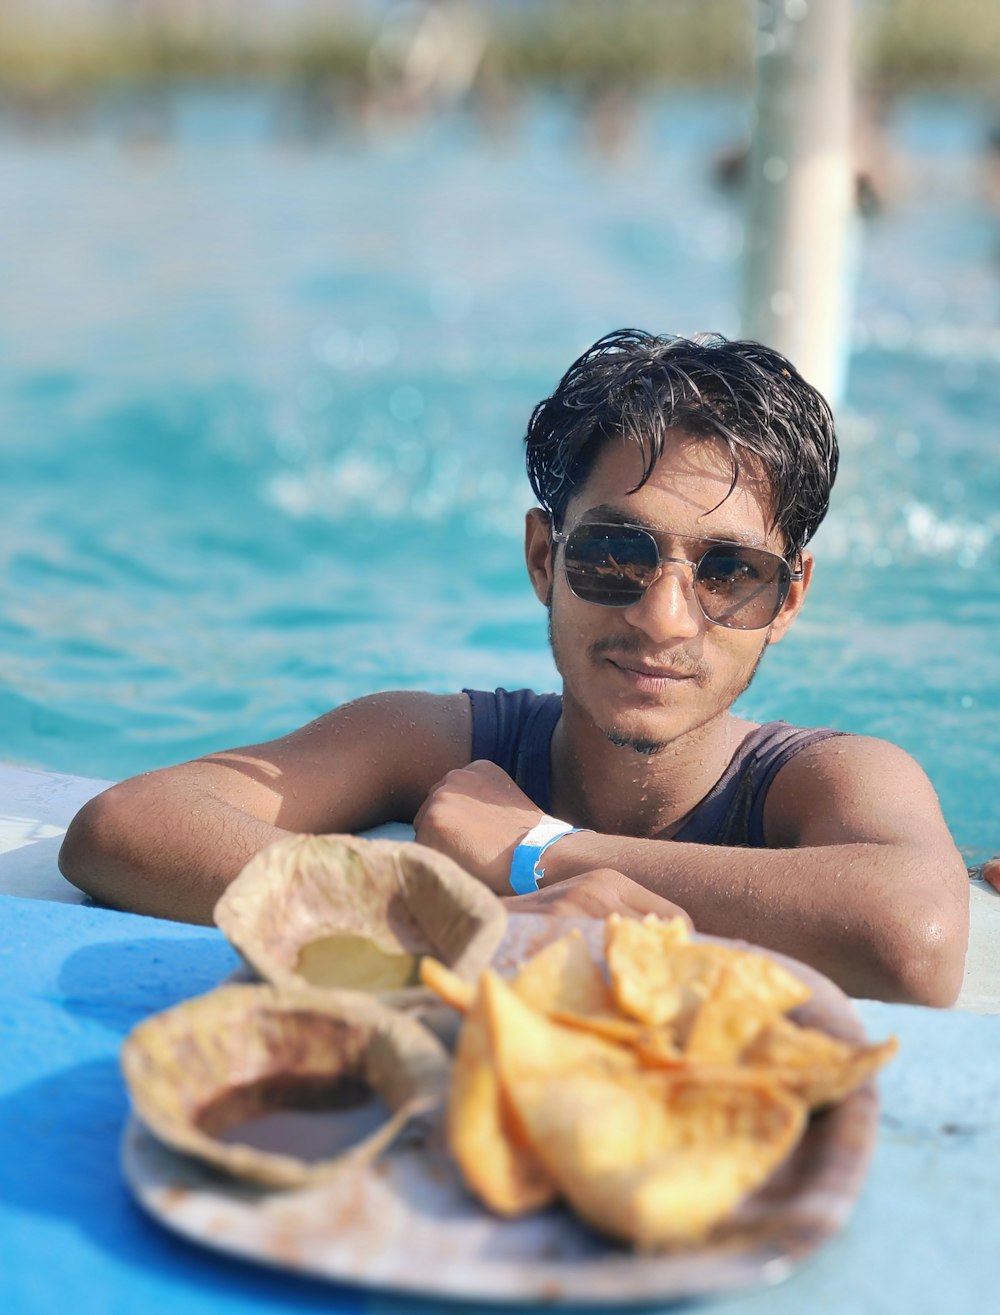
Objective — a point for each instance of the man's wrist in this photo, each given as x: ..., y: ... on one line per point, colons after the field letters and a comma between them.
x: 527, y: 870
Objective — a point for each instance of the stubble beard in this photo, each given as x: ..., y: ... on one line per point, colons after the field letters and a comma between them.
x: 648, y: 748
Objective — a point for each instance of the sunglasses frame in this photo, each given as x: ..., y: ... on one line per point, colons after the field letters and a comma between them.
x: 662, y: 560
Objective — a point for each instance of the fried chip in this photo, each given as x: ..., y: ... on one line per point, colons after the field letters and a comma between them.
x: 652, y: 1105
x: 612, y: 1027
x: 758, y: 980
x: 657, y: 1048
x: 815, y: 1066
x: 501, y: 1170
x: 563, y: 978
x: 643, y: 968
x: 661, y: 978
x: 563, y: 981
x: 647, y: 1157
x: 730, y: 1018
x: 516, y: 1026
x: 446, y: 985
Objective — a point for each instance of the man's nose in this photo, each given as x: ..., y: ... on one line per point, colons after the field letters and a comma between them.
x: 668, y: 609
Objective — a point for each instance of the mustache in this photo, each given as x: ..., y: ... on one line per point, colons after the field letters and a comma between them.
x: 676, y: 659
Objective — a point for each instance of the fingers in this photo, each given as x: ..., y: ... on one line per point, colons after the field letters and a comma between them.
x: 631, y: 897
x: 418, y: 816
x: 595, y: 894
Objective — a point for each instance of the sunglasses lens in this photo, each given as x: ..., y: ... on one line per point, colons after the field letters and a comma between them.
x: 742, y: 588
x: 738, y: 587
x: 612, y: 565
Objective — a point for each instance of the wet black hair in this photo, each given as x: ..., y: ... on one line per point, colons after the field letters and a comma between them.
x: 638, y: 386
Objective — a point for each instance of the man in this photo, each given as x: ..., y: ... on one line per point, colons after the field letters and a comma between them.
x: 679, y: 483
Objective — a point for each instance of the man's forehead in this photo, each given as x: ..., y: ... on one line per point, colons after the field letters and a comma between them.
x: 694, y: 477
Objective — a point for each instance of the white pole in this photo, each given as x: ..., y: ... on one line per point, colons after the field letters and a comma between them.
x: 796, y: 287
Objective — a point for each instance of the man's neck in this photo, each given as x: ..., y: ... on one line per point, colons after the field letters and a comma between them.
x: 620, y: 791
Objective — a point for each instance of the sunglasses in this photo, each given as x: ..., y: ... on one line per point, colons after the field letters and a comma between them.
x: 736, y: 586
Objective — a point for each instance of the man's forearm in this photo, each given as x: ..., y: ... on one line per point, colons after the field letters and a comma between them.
x: 164, y: 858
x: 883, y: 921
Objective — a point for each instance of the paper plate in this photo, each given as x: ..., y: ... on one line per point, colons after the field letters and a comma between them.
x: 406, y: 1224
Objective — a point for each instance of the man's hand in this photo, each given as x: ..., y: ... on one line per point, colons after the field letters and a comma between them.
x: 477, y: 816
x: 594, y: 895
x: 990, y: 871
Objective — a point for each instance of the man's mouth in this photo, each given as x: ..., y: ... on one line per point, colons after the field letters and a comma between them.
x: 652, y: 672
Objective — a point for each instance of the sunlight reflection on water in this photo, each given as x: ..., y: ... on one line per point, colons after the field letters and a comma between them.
x: 264, y: 404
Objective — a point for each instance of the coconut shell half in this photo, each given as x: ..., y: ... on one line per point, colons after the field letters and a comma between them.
x: 201, y: 1071
x: 344, y: 913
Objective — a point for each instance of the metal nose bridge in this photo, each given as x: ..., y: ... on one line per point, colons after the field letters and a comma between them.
x: 694, y: 563
x: 664, y: 560
x: 687, y: 583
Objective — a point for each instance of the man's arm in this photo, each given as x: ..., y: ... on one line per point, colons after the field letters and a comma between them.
x: 169, y: 842
x: 864, y: 880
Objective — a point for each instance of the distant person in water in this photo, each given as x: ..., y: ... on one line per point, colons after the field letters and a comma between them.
x: 990, y: 871
x: 679, y: 482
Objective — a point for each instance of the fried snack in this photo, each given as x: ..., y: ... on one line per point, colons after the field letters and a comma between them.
x: 501, y: 1170
x: 563, y: 978
x: 564, y: 981
x: 612, y: 1027
x: 732, y: 1016
x: 650, y: 1158
x: 812, y: 1064
x: 652, y: 1104
x: 446, y: 985
x: 655, y: 1047
x: 662, y: 978
x: 484, y: 1130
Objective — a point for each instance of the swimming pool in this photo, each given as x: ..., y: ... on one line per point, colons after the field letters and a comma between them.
x: 262, y: 403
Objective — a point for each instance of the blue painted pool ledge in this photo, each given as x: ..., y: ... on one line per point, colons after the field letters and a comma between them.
x: 36, y: 807
x: 74, y: 979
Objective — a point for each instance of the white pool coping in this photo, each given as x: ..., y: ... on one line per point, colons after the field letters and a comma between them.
x: 36, y: 808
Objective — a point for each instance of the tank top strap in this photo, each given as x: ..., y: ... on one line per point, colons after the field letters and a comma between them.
x: 732, y: 813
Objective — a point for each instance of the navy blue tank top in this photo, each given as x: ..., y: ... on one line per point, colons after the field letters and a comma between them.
x: 514, y: 730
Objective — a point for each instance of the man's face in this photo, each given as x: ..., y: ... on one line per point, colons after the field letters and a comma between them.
x: 658, y: 669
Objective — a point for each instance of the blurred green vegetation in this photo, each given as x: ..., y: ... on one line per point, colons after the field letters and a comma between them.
x: 933, y: 43
x: 562, y: 43
x: 639, y: 42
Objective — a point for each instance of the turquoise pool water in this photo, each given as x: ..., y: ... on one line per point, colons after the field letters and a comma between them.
x: 262, y: 403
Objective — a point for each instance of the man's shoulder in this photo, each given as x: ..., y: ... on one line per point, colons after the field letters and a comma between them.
x: 392, y: 705
x: 383, y: 752
x: 457, y: 720
x: 407, y: 727
x: 844, y: 774
x: 841, y: 749
x: 766, y: 750
x: 828, y: 754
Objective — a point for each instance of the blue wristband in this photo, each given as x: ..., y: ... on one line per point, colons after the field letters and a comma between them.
x: 525, y: 872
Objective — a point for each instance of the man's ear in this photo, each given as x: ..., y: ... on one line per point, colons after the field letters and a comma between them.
x: 793, y: 603
x: 538, y: 552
